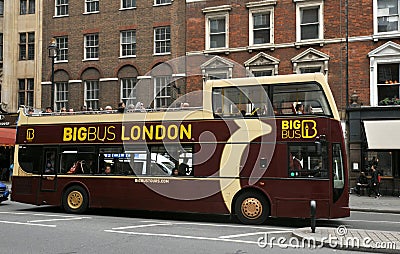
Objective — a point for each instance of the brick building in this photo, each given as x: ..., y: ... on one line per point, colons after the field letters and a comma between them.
x: 106, y: 47
x: 357, y: 48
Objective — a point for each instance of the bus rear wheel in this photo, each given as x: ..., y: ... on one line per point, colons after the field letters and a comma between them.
x: 75, y: 200
x: 252, y: 208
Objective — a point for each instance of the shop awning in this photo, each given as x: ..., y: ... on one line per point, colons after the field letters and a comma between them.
x: 383, y: 134
x: 7, y: 136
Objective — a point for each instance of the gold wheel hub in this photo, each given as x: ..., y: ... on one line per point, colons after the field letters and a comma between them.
x: 251, y: 208
x: 75, y: 199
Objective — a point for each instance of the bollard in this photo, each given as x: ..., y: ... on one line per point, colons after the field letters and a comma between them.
x: 313, y: 205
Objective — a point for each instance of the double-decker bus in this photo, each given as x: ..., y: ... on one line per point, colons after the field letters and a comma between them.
x: 246, y: 152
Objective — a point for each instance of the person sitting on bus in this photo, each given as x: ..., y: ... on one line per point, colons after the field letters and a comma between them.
x: 297, y: 161
x: 121, y: 107
x: 107, y: 171
x: 299, y: 109
x: 49, y: 168
x: 175, y: 172
x: 183, y: 168
x: 308, y: 109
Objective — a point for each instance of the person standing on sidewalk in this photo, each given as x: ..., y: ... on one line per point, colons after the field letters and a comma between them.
x: 374, y: 185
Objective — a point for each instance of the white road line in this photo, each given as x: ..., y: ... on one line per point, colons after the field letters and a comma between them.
x: 144, y: 226
x: 29, y: 224
x: 42, y: 214
x: 375, y: 221
x: 64, y: 219
x: 391, y: 214
x: 230, y: 226
x: 254, y: 233
x: 180, y: 236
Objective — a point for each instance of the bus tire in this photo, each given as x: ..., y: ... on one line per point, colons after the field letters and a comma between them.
x: 75, y: 199
x: 252, y: 208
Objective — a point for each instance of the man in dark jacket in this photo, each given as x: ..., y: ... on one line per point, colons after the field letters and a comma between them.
x: 374, y: 185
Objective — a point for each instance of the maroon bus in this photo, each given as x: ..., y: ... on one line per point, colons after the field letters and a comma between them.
x: 246, y: 152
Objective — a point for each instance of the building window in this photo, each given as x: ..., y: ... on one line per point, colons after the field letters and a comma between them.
x: 1, y: 7
x: 310, y: 21
x: 162, y: 91
x: 91, y: 6
x: 261, y: 73
x: 126, y: 4
x: 25, y: 92
x: 388, y: 84
x: 61, y: 7
x: 260, y: 27
x: 91, y: 46
x: 217, y: 31
x: 128, y: 90
x: 162, y: 40
x: 26, y: 46
x: 388, y: 15
x: 160, y: 2
x: 92, y: 94
x: 128, y: 43
x: 310, y: 69
x: 1, y: 47
x: 61, y: 96
x: 62, y: 44
x: 26, y: 7
x: 310, y: 61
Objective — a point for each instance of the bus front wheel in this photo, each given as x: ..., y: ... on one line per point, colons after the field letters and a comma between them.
x: 75, y: 200
x: 252, y: 208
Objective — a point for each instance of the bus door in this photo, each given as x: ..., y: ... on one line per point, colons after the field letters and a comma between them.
x: 48, y: 172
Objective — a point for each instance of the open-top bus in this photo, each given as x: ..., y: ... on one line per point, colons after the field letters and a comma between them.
x: 246, y: 152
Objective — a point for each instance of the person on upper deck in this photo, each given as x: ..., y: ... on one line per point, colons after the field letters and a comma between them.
x: 299, y: 109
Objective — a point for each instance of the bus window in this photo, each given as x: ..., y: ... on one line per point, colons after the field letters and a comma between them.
x: 305, y: 161
x: 237, y: 102
x: 114, y: 161
x: 29, y: 158
x: 286, y: 97
x: 164, y: 159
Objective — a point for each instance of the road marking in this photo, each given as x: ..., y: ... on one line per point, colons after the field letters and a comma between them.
x: 64, y: 219
x: 27, y: 223
x: 143, y: 226
x: 254, y: 233
x: 180, y: 236
x: 375, y: 221
x: 391, y: 214
x: 228, y: 226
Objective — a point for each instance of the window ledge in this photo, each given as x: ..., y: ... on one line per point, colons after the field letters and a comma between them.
x: 127, y: 9
x: 162, y: 54
x: 261, y: 3
x: 269, y: 46
x: 61, y: 16
x: 158, y: 5
x: 91, y: 59
x: 217, y: 8
x: 377, y: 37
x: 93, y: 12
x: 61, y: 61
x: 124, y: 57
x: 321, y: 43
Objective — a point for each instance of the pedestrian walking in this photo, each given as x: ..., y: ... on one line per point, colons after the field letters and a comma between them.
x: 374, y: 184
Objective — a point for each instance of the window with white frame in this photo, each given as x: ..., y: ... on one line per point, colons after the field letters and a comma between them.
x: 26, y: 92
x: 162, y: 40
x: 261, y: 29
x: 310, y: 69
x: 217, y: 31
x: 91, y: 6
x: 126, y: 4
x: 27, y: 46
x: 388, y: 83
x: 62, y: 44
x: 61, y: 7
x: 309, y: 21
x: 388, y: 15
x: 91, y: 46
x: 162, y: 91
x: 161, y: 2
x: 26, y: 7
x: 92, y: 94
x: 128, y: 43
x: 61, y: 95
x: 263, y: 72
x: 128, y: 90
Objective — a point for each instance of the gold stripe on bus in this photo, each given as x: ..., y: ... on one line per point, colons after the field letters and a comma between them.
x: 230, y: 166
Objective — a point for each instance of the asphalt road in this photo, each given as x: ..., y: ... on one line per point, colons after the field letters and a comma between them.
x: 31, y: 229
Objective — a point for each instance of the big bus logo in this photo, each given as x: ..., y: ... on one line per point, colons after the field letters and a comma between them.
x: 30, y: 134
x: 292, y: 129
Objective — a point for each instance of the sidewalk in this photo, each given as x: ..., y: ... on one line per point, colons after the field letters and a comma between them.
x: 384, y: 204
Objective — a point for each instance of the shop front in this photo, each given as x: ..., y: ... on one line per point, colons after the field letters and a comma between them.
x: 8, y: 122
x: 374, y: 139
